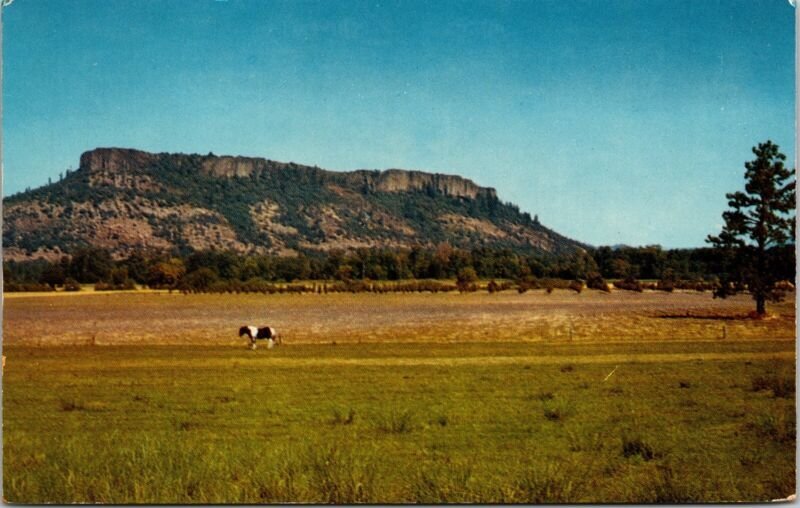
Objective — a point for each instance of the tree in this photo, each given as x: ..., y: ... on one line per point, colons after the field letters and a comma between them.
x: 90, y: 264
x: 758, y: 225
x: 199, y: 280
x: 166, y: 274
x: 466, y: 279
x: 53, y: 275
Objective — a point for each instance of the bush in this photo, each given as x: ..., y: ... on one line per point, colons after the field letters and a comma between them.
x: 71, y: 284
x: 111, y: 286
x: 667, y: 285
x: 198, y: 280
x: 596, y: 281
x: 629, y: 284
x: 551, y: 284
x: 16, y: 287
x: 576, y: 286
x: 466, y: 279
x: 528, y: 283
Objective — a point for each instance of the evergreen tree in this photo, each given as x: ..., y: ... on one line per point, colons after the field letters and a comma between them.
x: 758, y: 223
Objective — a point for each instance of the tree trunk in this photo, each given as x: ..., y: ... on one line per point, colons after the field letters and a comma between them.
x: 761, y: 308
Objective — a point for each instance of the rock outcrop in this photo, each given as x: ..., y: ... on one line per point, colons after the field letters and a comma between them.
x: 226, y: 166
x: 115, y: 159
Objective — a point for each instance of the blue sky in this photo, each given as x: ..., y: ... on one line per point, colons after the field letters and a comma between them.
x: 614, y: 121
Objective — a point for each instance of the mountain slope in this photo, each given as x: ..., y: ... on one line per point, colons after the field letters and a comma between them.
x: 126, y: 200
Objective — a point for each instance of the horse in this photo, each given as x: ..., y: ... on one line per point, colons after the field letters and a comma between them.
x: 267, y: 333
x: 255, y: 333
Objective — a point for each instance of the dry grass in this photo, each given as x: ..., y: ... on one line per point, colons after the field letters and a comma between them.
x: 162, y: 318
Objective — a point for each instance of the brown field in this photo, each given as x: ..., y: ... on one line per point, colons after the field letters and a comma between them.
x: 163, y: 318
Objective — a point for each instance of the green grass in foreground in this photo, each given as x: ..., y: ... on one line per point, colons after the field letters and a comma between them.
x: 299, y: 423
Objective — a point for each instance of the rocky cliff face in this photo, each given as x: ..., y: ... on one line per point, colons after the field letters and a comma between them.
x: 126, y: 200
x: 115, y: 159
x: 392, y: 180
x: 399, y: 180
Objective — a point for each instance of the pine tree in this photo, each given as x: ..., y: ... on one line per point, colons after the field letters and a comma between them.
x: 759, y: 222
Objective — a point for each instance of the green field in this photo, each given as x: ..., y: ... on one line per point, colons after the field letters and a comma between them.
x: 365, y: 416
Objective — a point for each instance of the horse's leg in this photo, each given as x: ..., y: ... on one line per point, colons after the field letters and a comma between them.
x: 252, y: 343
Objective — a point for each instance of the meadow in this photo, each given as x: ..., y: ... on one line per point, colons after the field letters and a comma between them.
x: 591, y: 397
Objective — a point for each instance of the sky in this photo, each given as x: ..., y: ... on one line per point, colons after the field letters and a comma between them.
x: 616, y: 122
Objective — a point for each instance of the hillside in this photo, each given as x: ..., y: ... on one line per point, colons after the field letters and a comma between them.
x: 127, y: 200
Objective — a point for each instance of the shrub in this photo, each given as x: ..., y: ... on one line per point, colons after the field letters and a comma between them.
x: 667, y: 285
x: 629, y: 284
x: 527, y: 283
x: 551, y: 284
x: 71, y: 285
x: 466, y: 279
x: 576, y: 285
x: 198, y: 280
x: 16, y: 287
x: 596, y: 281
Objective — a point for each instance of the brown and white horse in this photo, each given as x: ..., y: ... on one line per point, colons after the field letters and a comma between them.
x: 255, y: 333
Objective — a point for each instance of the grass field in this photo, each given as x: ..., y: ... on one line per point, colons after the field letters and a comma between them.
x: 397, y: 398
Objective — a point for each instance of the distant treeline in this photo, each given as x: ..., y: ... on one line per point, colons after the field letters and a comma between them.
x: 418, y: 268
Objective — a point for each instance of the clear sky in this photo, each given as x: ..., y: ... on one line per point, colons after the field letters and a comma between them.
x: 614, y: 121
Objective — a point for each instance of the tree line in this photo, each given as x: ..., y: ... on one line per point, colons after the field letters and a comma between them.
x: 202, y: 269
